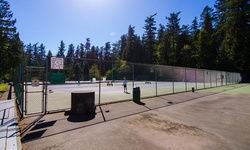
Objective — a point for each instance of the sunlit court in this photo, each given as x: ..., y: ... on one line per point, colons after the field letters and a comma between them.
x: 59, y: 96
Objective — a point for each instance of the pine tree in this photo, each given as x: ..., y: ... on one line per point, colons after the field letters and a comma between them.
x: 81, y: 53
x: 41, y: 55
x: 35, y: 56
x: 87, y: 48
x: 128, y: 51
x: 205, y: 43
x: 183, y: 43
x: 107, y: 51
x: 77, y: 52
x: 233, y: 30
x: 93, y: 53
x: 194, y: 29
x: 123, y: 44
x: 163, y: 53
x: 70, y: 55
x: 160, y: 34
x: 49, y: 53
x: 11, y: 47
x: 28, y: 54
x: 139, y: 52
x: 150, y: 42
x: 61, y: 49
x: 173, y: 32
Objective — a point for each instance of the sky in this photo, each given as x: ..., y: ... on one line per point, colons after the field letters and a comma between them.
x: 50, y: 21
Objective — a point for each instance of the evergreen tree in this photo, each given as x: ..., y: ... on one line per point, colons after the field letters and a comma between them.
x: 184, y: 41
x: 77, y: 52
x: 233, y: 29
x: 81, y: 56
x: 160, y: 34
x: 194, y: 29
x: 163, y: 53
x: 81, y: 53
x: 92, y: 53
x: 87, y: 48
x: 61, y: 49
x: 139, y: 53
x: 70, y: 55
x: 173, y: 32
x: 28, y: 54
x: 41, y: 55
x: 205, y: 44
x: 107, y: 51
x: 100, y: 54
x: 123, y: 44
x: 128, y: 51
x: 49, y: 53
x: 150, y: 42
x: 97, y: 49
x: 11, y: 47
x: 35, y: 56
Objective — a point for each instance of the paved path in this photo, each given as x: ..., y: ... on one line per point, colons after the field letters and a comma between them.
x: 9, y: 136
x: 8, y: 129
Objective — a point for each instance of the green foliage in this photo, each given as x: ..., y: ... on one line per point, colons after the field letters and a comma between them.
x: 94, y: 72
x: 124, y: 70
x: 11, y: 47
x: 61, y: 49
x: 233, y: 32
x: 149, y: 37
x: 109, y: 74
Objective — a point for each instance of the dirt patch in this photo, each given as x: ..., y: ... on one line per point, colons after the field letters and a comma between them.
x: 174, y: 135
x: 153, y: 122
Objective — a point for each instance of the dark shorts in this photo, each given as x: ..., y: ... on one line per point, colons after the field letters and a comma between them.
x: 125, y: 85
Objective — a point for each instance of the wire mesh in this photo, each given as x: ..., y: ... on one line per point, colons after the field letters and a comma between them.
x: 106, y: 79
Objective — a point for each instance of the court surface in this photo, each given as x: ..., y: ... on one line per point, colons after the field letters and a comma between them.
x: 59, y: 96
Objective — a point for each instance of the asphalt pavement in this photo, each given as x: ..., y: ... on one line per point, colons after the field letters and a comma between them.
x: 205, y: 119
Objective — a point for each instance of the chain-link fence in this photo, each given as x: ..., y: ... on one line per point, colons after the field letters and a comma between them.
x: 18, y: 88
x: 58, y: 79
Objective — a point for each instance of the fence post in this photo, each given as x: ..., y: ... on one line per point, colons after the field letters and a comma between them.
x: 204, y: 81
x: 173, y: 79
x: 46, y: 85
x: 195, y: 79
x: 210, y: 79
x: 100, y: 85
x: 185, y: 80
x: 22, y: 86
x: 133, y: 75
x: 155, y: 81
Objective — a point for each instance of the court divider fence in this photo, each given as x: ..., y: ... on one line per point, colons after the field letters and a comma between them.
x: 46, y: 85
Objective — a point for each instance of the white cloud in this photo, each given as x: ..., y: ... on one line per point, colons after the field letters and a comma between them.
x: 112, y: 34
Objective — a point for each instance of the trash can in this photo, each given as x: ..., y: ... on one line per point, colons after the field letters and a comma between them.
x: 136, y: 94
x: 83, y: 102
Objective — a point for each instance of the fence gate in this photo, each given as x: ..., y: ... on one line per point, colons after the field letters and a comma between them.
x: 34, y: 90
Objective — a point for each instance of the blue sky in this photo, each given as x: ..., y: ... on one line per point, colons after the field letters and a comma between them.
x: 50, y: 21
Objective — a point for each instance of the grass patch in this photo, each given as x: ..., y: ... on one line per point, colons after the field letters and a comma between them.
x: 2, y: 88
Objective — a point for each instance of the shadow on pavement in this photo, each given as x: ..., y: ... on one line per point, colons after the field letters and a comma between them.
x: 33, y: 135
x: 140, y: 103
x: 80, y: 118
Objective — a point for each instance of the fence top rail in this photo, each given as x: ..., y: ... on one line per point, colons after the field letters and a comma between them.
x: 34, y: 67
